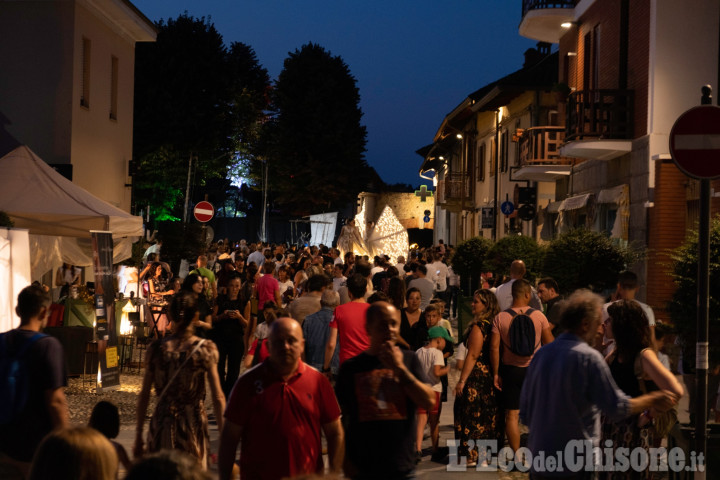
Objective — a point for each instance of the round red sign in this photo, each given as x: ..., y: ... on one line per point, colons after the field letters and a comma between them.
x: 203, y: 211
x: 695, y: 142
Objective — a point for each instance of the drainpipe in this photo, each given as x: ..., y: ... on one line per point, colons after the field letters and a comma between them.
x: 497, y: 174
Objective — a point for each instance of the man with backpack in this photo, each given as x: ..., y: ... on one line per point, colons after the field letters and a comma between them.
x: 518, y: 331
x: 32, y: 381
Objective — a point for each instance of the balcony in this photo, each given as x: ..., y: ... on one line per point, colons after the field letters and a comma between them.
x: 599, y: 124
x: 542, y: 19
x: 454, y: 192
x: 540, y: 158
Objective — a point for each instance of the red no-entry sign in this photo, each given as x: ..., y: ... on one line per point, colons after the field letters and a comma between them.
x: 203, y: 211
x: 695, y: 142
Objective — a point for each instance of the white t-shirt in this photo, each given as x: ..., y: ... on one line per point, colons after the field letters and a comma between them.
x: 461, y: 352
x: 438, y: 274
x: 503, y: 293
x: 428, y: 358
x: 338, y: 282
x: 648, y: 312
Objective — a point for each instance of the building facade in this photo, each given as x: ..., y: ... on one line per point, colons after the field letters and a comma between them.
x: 631, y: 68
x: 499, y: 147
x: 67, y: 87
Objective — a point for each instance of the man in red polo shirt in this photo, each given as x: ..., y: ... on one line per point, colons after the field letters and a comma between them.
x: 348, y: 324
x: 278, y: 409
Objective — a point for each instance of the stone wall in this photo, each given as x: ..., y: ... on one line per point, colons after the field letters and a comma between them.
x: 407, y: 208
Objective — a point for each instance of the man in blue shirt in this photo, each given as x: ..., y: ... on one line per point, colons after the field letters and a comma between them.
x: 316, y: 329
x: 567, y: 385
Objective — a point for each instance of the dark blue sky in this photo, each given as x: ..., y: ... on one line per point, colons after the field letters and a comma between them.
x: 414, y: 61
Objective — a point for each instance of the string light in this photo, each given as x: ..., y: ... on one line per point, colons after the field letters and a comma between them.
x: 389, y: 236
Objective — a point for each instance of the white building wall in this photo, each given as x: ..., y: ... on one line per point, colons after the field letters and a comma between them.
x: 101, y: 146
x: 683, y: 58
x: 40, y: 87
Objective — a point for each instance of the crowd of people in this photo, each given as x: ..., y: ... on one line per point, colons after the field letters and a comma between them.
x: 357, y: 350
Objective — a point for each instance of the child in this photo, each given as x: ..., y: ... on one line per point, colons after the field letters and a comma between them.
x: 443, y: 322
x: 433, y: 318
x: 106, y: 420
x: 431, y: 358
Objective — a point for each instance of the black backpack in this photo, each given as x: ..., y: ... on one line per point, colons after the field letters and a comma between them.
x: 521, y: 333
x: 14, y: 378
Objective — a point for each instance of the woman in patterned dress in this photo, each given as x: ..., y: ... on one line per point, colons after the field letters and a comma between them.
x: 180, y: 421
x: 475, y: 408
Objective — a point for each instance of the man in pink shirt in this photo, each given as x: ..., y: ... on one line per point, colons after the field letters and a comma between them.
x: 348, y: 324
x: 510, y: 372
x: 268, y: 288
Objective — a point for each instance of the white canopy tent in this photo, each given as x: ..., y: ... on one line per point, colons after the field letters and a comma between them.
x: 58, y: 213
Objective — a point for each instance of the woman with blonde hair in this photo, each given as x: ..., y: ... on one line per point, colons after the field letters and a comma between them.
x: 77, y: 453
x: 475, y: 409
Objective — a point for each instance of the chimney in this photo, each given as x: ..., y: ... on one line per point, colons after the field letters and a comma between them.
x: 534, y: 55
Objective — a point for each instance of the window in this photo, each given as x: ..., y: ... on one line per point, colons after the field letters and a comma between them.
x: 517, y: 145
x: 113, y: 87
x: 504, y: 151
x: 493, y: 157
x: 591, y: 62
x: 85, y: 74
x: 481, y: 163
x: 607, y: 217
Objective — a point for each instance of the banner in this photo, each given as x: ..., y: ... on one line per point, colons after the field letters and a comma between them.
x: 102, y: 244
x: 322, y: 228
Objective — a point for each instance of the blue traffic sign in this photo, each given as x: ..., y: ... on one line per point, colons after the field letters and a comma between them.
x: 426, y: 219
x: 507, y: 208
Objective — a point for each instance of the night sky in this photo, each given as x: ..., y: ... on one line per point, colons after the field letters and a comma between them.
x: 414, y: 61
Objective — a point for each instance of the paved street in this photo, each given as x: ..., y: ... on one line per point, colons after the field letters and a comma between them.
x: 81, y: 403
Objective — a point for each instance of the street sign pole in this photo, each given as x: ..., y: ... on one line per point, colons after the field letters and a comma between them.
x: 695, y: 149
x: 701, y: 348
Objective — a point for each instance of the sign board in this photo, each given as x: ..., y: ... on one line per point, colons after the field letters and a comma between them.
x: 203, y: 211
x: 488, y: 217
x: 507, y: 207
x: 426, y: 219
x: 526, y: 212
x: 695, y: 142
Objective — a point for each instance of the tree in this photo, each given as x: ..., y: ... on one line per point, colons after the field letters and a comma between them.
x: 515, y: 247
x: 193, y: 97
x: 683, y: 306
x: 468, y: 261
x: 314, y: 144
x: 585, y: 259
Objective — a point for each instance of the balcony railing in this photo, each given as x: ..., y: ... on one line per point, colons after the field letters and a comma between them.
x: 528, y: 5
x: 453, y: 188
x: 601, y: 114
x: 541, y: 146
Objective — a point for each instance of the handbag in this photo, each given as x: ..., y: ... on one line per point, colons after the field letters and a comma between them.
x: 662, y: 422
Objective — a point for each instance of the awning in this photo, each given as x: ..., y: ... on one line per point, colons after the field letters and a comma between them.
x: 613, y: 195
x: 434, y: 164
x: 553, y: 207
x: 574, y: 203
